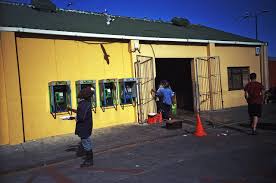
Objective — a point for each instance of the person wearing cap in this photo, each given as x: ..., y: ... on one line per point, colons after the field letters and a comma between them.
x: 84, y: 123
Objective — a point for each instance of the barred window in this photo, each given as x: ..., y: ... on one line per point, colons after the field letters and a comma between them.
x: 237, y: 77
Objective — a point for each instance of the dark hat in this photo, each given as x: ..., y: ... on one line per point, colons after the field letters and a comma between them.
x: 86, y: 93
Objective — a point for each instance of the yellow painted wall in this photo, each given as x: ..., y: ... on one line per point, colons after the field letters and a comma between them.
x: 10, y: 105
x: 173, y: 51
x: 45, y: 60
x: 4, y: 127
x: 231, y: 56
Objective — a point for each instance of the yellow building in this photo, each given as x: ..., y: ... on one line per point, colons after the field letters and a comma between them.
x: 207, y: 68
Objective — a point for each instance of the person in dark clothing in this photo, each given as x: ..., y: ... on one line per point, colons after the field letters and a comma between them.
x: 253, y: 92
x: 84, y: 123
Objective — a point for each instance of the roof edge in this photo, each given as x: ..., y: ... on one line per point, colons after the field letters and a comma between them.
x: 124, y: 37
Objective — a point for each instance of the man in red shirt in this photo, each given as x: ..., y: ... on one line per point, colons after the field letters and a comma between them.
x: 253, y: 93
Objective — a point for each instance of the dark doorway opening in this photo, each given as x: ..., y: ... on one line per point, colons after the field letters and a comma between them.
x: 178, y: 72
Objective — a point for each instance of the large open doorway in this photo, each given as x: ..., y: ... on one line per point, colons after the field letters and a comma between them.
x: 178, y: 72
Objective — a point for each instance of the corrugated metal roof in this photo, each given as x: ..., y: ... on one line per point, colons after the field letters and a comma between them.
x: 23, y: 16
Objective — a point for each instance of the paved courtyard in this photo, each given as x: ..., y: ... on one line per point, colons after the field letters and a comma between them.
x: 228, y: 154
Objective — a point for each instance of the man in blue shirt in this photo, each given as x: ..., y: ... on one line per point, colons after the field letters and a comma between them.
x: 166, y: 94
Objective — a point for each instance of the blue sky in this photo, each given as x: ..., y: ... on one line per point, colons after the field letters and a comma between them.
x: 221, y: 14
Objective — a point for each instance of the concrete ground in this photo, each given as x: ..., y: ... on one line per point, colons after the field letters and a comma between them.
x: 147, y: 153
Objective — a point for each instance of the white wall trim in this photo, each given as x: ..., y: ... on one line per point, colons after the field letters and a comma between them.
x: 125, y: 37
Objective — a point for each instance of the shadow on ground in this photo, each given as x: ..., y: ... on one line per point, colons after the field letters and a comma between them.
x: 262, y: 126
x: 72, y: 148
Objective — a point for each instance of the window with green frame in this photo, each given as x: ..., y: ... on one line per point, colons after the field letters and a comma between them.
x: 238, y: 77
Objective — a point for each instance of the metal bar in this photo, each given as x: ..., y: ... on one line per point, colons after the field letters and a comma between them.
x: 204, y: 77
x: 221, y: 92
x: 197, y: 91
x: 210, y: 83
x: 140, y: 100
x: 146, y: 61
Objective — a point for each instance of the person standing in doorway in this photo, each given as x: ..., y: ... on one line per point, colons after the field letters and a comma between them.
x: 166, y: 94
x: 84, y: 124
x: 253, y: 92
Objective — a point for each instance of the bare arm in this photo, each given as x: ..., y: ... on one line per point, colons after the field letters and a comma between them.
x: 245, y: 92
x: 70, y: 109
x: 245, y: 95
x: 264, y: 94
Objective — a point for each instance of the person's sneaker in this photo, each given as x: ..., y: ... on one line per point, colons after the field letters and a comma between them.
x: 87, y: 163
x: 88, y: 160
x: 254, y: 132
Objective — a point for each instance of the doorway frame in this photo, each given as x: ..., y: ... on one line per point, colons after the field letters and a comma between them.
x: 192, y: 69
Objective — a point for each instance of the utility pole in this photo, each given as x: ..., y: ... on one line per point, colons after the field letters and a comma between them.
x: 256, y: 26
x: 255, y: 16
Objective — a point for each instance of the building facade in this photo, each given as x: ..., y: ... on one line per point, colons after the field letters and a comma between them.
x: 207, y: 73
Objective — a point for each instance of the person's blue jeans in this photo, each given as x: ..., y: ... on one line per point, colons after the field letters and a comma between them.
x: 87, y: 144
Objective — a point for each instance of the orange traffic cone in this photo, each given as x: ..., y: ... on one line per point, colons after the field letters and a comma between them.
x: 200, y: 132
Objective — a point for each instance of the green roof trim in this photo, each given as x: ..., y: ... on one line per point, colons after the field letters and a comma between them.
x: 24, y: 16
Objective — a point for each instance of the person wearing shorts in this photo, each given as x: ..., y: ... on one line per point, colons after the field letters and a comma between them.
x: 253, y: 92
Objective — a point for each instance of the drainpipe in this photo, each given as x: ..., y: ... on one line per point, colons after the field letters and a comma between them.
x: 265, y: 70
x: 133, y: 55
x: 20, y: 88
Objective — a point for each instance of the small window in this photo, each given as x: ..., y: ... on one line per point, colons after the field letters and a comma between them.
x: 237, y: 77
